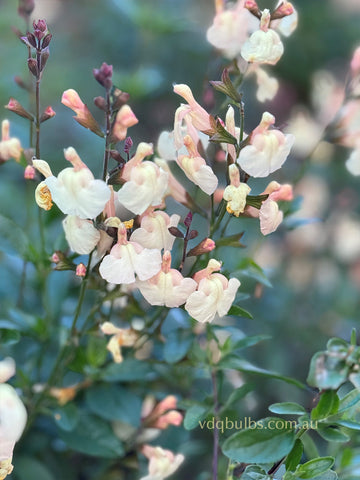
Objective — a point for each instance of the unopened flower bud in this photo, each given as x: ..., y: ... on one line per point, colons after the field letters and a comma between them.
x: 283, y: 10
x: 193, y: 234
x: 33, y: 67
x: 100, y: 102
x: 31, y: 39
x: 46, y: 41
x: 47, y: 114
x: 55, y: 258
x: 205, y: 246
x: 128, y: 144
x: 188, y: 220
x: 81, y: 270
x: 26, y: 7
x: 104, y: 75
x: 43, y: 196
x: 29, y: 173
x: 40, y: 29
x: 253, y: 8
x: 120, y: 98
x: 16, y: 107
x: 45, y: 54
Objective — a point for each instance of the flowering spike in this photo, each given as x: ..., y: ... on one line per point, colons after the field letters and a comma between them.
x: 188, y: 220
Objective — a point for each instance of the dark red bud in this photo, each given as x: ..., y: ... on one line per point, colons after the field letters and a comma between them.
x: 175, y: 232
x: 188, y: 220
x: 193, y: 234
x: 40, y: 28
x: 31, y: 39
x: 46, y: 41
x: 120, y: 98
x: 128, y: 144
x: 104, y: 75
x: 100, y: 102
x: 32, y: 64
x: 44, y: 57
x: 116, y: 156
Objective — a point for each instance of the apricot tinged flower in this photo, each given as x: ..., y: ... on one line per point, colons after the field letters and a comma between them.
x: 121, y: 337
x: 267, y: 151
x: 162, y: 463
x: 215, y: 294
x: 128, y: 258
x: 153, y: 231
x: 235, y: 193
x: 168, y: 287
x: 125, y: 118
x: 264, y: 45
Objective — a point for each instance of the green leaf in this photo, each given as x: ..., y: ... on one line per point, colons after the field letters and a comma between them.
x: 270, y: 440
x: 8, y: 336
x: 67, y: 417
x: 256, y: 200
x: 314, y: 467
x: 12, y: 237
x: 287, y: 408
x: 222, y: 135
x: 28, y: 468
x: 238, y: 394
x: 327, y: 405
x: 177, y: 345
x: 331, y: 434
x: 112, y: 402
x: 237, y: 311
x: 194, y: 415
x: 236, y: 363
x: 93, y: 436
x: 327, y: 371
x: 348, y: 424
x: 231, y: 241
x: 350, y: 399
x: 249, y: 341
x: 129, y: 370
x: 227, y: 87
x: 294, y: 457
x: 254, y: 472
x: 248, y: 268
x: 96, y: 352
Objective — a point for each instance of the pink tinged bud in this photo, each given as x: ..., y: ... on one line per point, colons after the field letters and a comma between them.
x: 205, y: 246
x: 42, y: 167
x: 199, y: 116
x: 29, y: 173
x: 16, y: 107
x: 71, y: 99
x: 81, y: 270
x: 47, y: 114
x: 55, y: 258
x: 125, y: 118
x: 170, y: 418
x: 283, y: 10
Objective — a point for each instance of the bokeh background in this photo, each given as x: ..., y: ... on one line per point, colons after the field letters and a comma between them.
x: 313, y: 261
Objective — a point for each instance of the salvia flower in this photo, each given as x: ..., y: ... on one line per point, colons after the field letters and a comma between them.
x: 235, y: 193
x: 120, y: 337
x: 13, y: 417
x: 168, y: 287
x: 80, y: 234
x: 162, y: 463
x: 125, y: 118
x: 146, y: 179
x: 267, y: 150
x: 264, y: 45
x: 127, y: 259
x: 75, y: 190
x: 153, y: 231
x: 9, y: 147
x: 199, y: 116
x: 214, y: 295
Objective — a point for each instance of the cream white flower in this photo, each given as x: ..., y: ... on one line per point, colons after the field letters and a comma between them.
x: 287, y: 24
x: 353, y: 162
x: 120, y: 337
x: 168, y: 287
x: 127, y: 259
x: 215, y: 294
x: 162, y: 463
x: 267, y: 86
x: 75, y: 190
x: 235, y: 193
x: 10, y: 147
x: 154, y: 233
x: 195, y: 168
x: 267, y: 151
x: 146, y: 183
x: 80, y: 234
x: 264, y: 45
x: 270, y: 216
